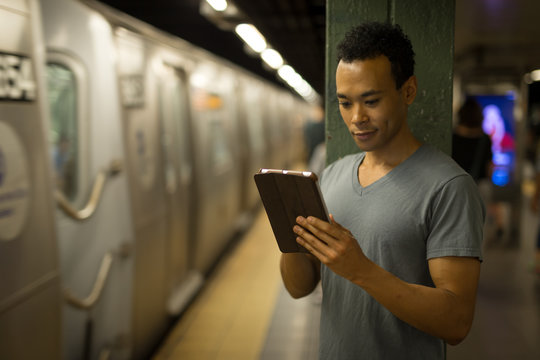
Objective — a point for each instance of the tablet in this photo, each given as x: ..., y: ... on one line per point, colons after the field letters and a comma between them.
x: 285, y: 195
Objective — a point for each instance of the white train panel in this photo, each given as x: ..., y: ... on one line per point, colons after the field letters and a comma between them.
x: 30, y: 286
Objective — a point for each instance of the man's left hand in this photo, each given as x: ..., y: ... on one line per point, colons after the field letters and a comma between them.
x: 332, y: 244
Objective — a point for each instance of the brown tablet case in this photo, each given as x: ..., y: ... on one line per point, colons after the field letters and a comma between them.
x: 286, y: 195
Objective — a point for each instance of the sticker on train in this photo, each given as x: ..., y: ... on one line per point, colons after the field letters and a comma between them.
x: 132, y: 90
x: 17, y: 81
x: 14, y: 184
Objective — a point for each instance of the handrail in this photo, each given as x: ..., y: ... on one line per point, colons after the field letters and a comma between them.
x: 97, y: 189
x: 103, y: 273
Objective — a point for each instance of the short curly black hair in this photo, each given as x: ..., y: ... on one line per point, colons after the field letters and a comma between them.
x: 372, y: 39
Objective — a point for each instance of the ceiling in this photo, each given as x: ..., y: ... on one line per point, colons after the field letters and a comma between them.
x: 495, y: 40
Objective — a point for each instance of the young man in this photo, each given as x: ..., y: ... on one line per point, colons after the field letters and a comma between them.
x: 400, y: 259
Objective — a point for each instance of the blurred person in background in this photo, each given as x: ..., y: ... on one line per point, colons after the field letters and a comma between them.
x: 535, y: 205
x: 471, y: 149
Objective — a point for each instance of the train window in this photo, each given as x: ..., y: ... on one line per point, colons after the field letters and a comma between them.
x: 62, y: 92
x: 215, y: 112
x: 221, y: 152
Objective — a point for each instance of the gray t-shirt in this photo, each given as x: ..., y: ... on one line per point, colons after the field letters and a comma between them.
x: 426, y: 207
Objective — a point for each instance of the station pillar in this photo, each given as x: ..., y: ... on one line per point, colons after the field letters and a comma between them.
x: 430, y: 27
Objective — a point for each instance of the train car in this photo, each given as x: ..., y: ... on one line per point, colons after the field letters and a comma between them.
x: 147, y: 146
x: 30, y: 293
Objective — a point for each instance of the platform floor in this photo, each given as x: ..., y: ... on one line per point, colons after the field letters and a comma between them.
x: 244, y: 313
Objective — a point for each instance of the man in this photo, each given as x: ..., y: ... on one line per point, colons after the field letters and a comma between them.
x: 471, y: 146
x: 401, y: 255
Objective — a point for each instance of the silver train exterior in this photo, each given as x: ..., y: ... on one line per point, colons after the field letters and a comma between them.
x: 126, y: 165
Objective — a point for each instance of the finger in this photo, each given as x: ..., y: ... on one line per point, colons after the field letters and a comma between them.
x: 341, y: 227
x: 308, y: 236
x: 311, y: 243
x: 313, y: 250
x: 334, y: 230
x: 332, y: 220
x: 317, y: 228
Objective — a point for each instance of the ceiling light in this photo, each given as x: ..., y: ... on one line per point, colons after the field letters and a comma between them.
x: 251, y: 36
x: 303, y: 88
x: 272, y: 58
x: 218, y: 5
x: 288, y: 74
x: 535, y: 75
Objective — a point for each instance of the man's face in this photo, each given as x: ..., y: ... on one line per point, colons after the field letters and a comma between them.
x: 373, y: 109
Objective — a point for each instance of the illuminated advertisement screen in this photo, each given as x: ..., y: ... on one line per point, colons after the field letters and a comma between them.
x: 499, y: 124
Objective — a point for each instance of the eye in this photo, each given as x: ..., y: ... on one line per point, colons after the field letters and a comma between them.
x: 344, y: 104
x: 371, y: 102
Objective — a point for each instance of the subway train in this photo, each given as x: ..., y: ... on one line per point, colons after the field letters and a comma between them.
x: 126, y: 168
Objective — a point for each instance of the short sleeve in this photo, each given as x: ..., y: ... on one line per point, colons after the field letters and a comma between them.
x: 456, y: 220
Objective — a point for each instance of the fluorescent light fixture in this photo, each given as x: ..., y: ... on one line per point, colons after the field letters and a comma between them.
x: 304, y: 88
x: 288, y: 74
x: 251, y: 36
x: 256, y: 41
x: 295, y: 81
x: 535, y: 75
x: 272, y: 58
x: 218, y: 5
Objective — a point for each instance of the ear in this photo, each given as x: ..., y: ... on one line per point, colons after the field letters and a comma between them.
x: 409, y: 89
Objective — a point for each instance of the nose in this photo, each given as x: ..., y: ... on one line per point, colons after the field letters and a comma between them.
x: 359, y: 115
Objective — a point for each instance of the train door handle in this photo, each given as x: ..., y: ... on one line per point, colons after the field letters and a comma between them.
x: 89, y: 302
x: 114, y: 168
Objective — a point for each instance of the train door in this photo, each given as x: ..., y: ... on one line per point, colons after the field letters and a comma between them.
x: 177, y: 158
x: 253, y: 151
x: 147, y: 174
x: 93, y: 217
x: 217, y: 161
x: 275, y: 133
x: 30, y: 287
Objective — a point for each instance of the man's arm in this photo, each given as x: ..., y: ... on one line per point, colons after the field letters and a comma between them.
x: 445, y: 311
x: 300, y: 273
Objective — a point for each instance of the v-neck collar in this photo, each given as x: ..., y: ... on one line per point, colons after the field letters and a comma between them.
x: 361, y: 190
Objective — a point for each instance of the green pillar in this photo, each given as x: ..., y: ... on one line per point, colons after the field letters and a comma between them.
x: 430, y: 27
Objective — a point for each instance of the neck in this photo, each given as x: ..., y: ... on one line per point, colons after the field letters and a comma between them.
x: 393, y: 155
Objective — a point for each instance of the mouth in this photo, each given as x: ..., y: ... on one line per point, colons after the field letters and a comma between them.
x: 363, y: 135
